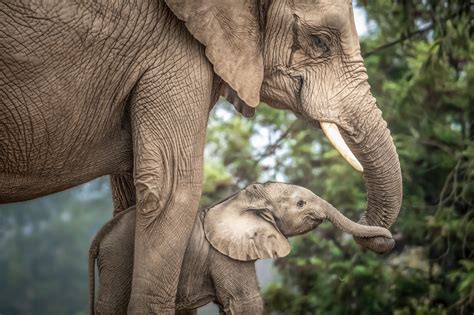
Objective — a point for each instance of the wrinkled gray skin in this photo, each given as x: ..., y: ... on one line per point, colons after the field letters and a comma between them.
x: 90, y: 88
x: 209, y: 273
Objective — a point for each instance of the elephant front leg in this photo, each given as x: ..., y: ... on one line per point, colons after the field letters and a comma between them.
x: 169, y: 137
x: 236, y: 286
x: 254, y: 306
x: 165, y: 216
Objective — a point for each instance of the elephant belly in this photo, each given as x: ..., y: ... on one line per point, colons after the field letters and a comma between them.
x: 22, y: 178
x: 65, y: 76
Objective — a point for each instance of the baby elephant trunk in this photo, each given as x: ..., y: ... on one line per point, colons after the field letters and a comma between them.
x: 349, y: 226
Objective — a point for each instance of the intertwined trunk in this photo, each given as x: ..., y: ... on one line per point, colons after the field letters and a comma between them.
x: 374, y: 148
x: 345, y: 224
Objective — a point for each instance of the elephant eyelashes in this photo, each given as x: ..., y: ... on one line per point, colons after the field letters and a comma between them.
x: 301, y: 204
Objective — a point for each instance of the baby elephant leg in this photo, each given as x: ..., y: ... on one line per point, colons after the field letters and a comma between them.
x: 236, y: 286
x: 254, y: 306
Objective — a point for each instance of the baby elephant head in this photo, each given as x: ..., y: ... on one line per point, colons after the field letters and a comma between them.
x: 255, y: 222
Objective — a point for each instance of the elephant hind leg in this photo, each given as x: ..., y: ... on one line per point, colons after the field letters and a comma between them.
x: 123, y: 191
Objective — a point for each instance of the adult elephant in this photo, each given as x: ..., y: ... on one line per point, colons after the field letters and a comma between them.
x: 125, y: 87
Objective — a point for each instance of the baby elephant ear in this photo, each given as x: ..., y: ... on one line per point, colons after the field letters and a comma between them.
x: 244, y: 234
x: 230, y: 30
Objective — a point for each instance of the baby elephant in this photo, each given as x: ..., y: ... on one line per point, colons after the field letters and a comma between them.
x: 226, y: 240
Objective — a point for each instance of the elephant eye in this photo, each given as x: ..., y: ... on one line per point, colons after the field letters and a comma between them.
x: 301, y: 204
x: 321, y: 42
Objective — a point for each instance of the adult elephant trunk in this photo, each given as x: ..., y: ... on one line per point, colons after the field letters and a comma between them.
x: 370, y: 141
x: 349, y: 226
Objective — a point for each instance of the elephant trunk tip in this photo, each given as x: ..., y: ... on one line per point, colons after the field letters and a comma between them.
x: 379, y: 244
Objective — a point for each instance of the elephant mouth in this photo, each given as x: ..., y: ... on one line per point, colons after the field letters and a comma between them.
x: 309, y: 224
x: 316, y: 222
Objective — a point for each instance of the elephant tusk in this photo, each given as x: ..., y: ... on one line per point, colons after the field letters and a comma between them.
x: 332, y: 132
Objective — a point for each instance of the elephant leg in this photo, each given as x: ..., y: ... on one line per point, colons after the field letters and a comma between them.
x: 169, y: 113
x: 123, y: 191
x: 235, y: 307
x: 236, y: 286
x: 254, y: 306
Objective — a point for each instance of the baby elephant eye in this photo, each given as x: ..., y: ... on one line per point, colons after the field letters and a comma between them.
x: 301, y: 203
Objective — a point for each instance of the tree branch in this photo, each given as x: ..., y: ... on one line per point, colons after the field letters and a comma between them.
x: 271, y: 148
x: 402, y: 38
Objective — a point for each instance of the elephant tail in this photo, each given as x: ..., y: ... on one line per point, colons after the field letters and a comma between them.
x: 92, y: 256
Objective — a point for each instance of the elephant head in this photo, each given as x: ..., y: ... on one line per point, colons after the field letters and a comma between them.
x: 304, y: 56
x: 255, y: 222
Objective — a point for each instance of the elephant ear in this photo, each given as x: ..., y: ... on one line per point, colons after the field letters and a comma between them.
x: 230, y: 30
x: 244, y: 234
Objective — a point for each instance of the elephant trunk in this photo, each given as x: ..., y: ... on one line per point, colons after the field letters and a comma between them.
x: 348, y: 226
x: 373, y: 147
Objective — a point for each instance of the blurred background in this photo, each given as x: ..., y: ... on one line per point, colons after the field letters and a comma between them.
x: 418, y: 56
